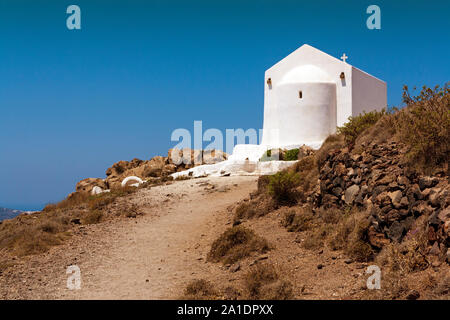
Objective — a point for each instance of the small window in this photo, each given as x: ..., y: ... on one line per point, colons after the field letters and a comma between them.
x: 300, y: 94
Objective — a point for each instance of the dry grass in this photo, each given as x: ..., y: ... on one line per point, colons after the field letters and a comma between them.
x: 410, y: 255
x: 315, y: 238
x: 332, y: 227
x: 333, y: 142
x: 297, y: 219
x: 282, y: 187
x: 36, y: 233
x: 424, y: 126
x: 200, y: 289
x: 351, y: 236
x: 257, y: 207
x: 263, y: 282
x: 308, y: 174
x: 25, y: 235
x: 92, y: 217
x: 236, y: 243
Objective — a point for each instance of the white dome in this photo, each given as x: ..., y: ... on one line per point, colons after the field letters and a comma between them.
x: 306, y: 73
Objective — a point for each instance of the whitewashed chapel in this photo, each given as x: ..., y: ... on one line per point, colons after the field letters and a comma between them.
x: 306, y: 96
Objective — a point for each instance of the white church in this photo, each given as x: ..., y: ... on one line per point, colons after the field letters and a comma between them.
x: 306, y: 96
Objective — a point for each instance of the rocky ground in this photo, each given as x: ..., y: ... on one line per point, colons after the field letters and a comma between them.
x: 151, y: 256
x: 156, y: 254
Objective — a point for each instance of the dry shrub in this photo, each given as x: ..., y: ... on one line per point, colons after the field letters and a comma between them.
x: 182, y: 178
x: 93, y: 217
x: 333, y: 142
x: 424, y: 126
x: 200, y: 289
x: 258, y: 207
x: 263, y: 183
x: 381, y: 132
x: 282, y: 187
x: 442, y: 288
x: 297, y: 219
x: 73, y: 200
x: 244, y: 210
x: 263, y: 282
x: 358, y: 124
x: 25, y: 235
x: 100, y: 202
x: 316, y: 237
x: 410, y: 254
x: 236, y: 243
x: 347, y: 232
x: 351, y: 236
x: 330, y: 215
x: 308, y: 173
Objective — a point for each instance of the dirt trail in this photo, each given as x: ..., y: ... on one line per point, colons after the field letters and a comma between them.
x: 150, y: 257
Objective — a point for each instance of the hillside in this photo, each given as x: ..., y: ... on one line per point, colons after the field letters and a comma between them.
x: 375, y: 194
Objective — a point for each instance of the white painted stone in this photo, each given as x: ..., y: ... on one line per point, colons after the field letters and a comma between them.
x: 96, y: 190
x: 132, y: 178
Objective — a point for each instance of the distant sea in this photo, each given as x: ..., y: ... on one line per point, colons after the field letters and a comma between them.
x: 8, y: 213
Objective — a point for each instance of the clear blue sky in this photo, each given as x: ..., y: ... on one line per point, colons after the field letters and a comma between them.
x: 74, y: 102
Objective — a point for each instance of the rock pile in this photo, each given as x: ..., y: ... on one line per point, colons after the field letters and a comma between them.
x: 377, y: 180
x: 155, y: 168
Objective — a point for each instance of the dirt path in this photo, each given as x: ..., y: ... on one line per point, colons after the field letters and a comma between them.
x: 150, y: 257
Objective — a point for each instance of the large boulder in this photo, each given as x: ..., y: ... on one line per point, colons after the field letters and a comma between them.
x: 86, y: 185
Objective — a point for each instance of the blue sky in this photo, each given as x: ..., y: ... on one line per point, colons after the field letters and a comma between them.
x: 73, y: 102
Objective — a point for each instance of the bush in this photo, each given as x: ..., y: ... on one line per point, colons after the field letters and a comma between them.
x: 236, y: 243
x: 331, y: 143
x: 424, y: 126
x: 93, y: 217
x: 282, y: 187
x: 356, y: 125
x: 267, y: 156
x: 272, y: 155
x: 200, y: 289
x: 315, y: 238
x: 262, y: 282
x: 291, y: 155
x: 308, y: 175
x: 25, y: 235
x: 297, y: 220
x: 351, y: 236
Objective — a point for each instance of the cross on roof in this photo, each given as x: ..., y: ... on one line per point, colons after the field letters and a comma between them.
x: 344, y: 57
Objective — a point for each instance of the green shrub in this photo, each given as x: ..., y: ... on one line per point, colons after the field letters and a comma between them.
x: 291, y: 155
x: 271, y: 156
x: 282, y: 187
x: 356, y: 125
